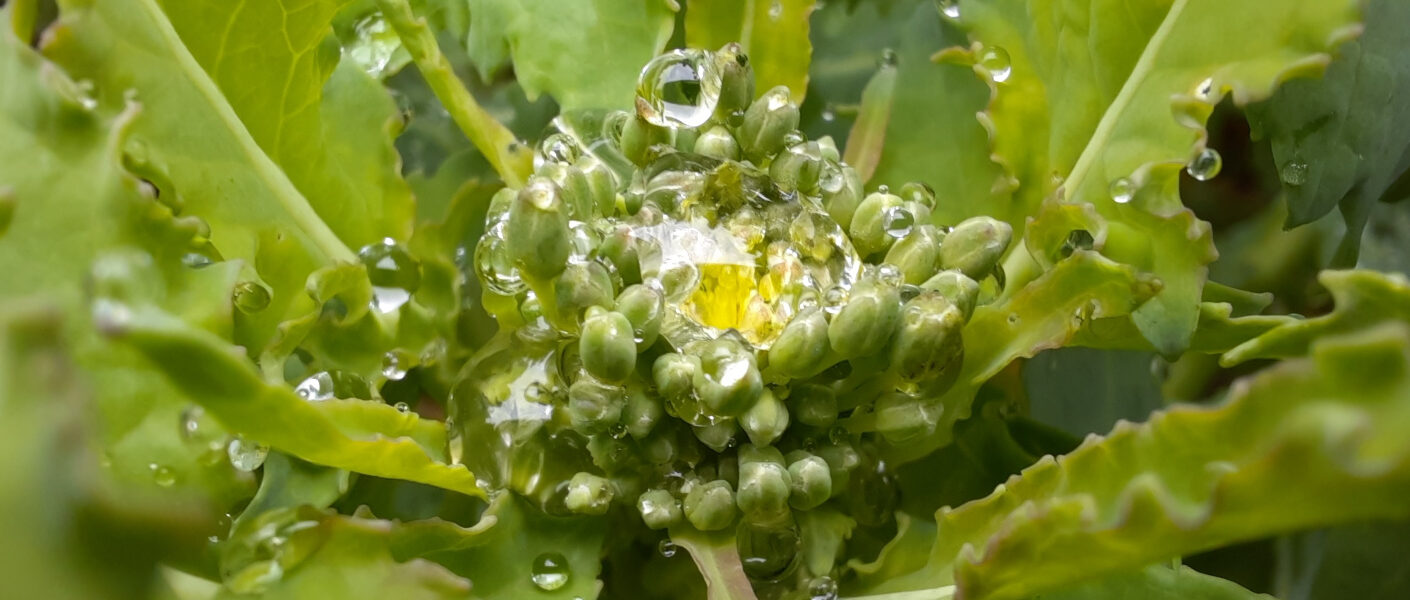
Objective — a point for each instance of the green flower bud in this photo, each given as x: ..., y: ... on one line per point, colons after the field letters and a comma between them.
x: 866, y: 323
x: 813, y: 405
x: 829, y: 149
x: 659, y: 509
x: 841, y: 194
x: 719, y: 436
x: 810, y: 480
x: 685, y: 139
x: 602, y: 184
x: 919, y: 193
x: 538, y: 237
x: 727, y: 468
x: 593, y: 406
x: 796, y: 167
x: 611, y: 454
x: 901, y: 418
x: 575, y: 189
x: 660, y: 448
x: 727, y: 382
x: 589, y: 494
x: 717, y: 142
x: 928, y: 342
x: 639, y: 139
x: 644, y: 306
x: 975, y: 246
x: 710, y: 506
x: 764, y: 484
x: 642, y: 412
x: 870, y: 224
x: 674, y: 373
x: 619, y: 247
x: 607, y: 345
x: 767, y: 121
x: 841, y: 459
x: 500, y: 205
x: 961, y: 291
x: 918, y: 254
x: 736, y: 82
x: 801, y: 347
x: 766, y: 420
x: 582, y: 285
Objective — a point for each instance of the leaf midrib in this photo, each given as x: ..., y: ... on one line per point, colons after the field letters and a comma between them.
x: 283, y: 190
x: 1113, y: 113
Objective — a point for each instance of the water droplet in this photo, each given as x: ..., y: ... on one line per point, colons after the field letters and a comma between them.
x: 1294, y: 172
x: 889, y: 275
x: 191, y: 423
x: 838, y: 434
x: 823, y: 588
x: 556, y: 148
x: 375, y: 46
x: 1077, y: 239
x: 767, y: 551
x: 1123, y: 190
x: 251, y: 297
x: 667, y: 548
x: 835, y: 298
x: 550, y: 571
x: 246, y: 455
x: 1205, y: 165
x: 1206, y: 90
x: 776, y: 9
x: 679, y: 89
x: 392, y: 366
x: 897, y: 222
x: 995, y: 60
x: 315, y: 388
x: 949, y: 8
x: 195, y: 260
x: 889, y: 58
x: 493, y: 265
x: 402, y: 407
x: 393, y: 272
x: 829, y: 113
x: 162, y: 475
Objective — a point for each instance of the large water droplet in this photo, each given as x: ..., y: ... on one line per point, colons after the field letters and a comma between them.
x: 393, y: 272
x: 1294, y: 172
x: 822, y: 588
x: 550, y: 571
x: 556, y: 148
x: 949, y: 8
x: 679, y: 89
x: 315, y: 388
x: 246, y: 455
x: 995, y: 60
x: 1205, y: 165
x: 776, y: 9
x: 1123, y: 190
x: 767, y: 551
x: 393, y: 367
x: 251, y: 297
x: 494, y: 266
x: 375, y: 46
x: 897, y: 222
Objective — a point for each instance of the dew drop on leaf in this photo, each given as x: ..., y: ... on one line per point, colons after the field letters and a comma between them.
x: 494, y: 266
x: 679, y: 89
x: 822, y: 588
x: 392, y: 367
x: 375, y: 46
x: 1205, y: 165
x: 402, y: 407
x: 949, y: 8
x: 667, y: 548
x: 251, y: 297
x: 550, y: 571
x: 1123, y: 190
x: 162, y: 475
x: 897, y: 222
x: 246, y: 455
x: 195, y: 260
x: 393, y: 272
x: 315, y: 388
x: 1294, y: 173
x: 995, y: 60
x: 191, y: 423
x: 776, y: 9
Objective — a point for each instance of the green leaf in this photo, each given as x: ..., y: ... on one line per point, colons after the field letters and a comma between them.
x: 1156, y: 583
x: 1364, y: 300
x: 254, y: 209
x: 1309, y: 442
x: 230, y: 388
x: 1084, y: 390
x: 773, y: 32
x: 1341, y: 141
x: 584, y: 54
x: 1105, y: 91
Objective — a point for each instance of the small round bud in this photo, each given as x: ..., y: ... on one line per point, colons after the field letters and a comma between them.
x: 717, y: 142
x: 766, y: 420
x: 866, y: 323
x: 639, y: 137
x: 710, y: 506
x: 842, y: 202
x: 719, y: 436
x: 767, y: 121
x: 813, y: 405
x: 797, y: 167
x: 829, y: 148
x: 537, y: 235
x: 644, y: 306
x: 619, y: 247
x: 728, y: 381
x: 871, y: 223
x: 659, y: 509
x: 673, y: 374
x: 764, y: 484
x: 611, y: 454
x: 602, y: 184
x: 902, y: 418
x: 642, y: 412
x: 928, y: 342
x: 961, y: 291
x: 607, y: 346
x: 582, y: 285
x: 800, y: 349
x: 589, y: 494
x: 975, y: 246
x: 841, y: 459
x: 593, y: 406
x: 736, y: 82
x: 574, y: 186
x: 810, y: 481
x: 918, y: 254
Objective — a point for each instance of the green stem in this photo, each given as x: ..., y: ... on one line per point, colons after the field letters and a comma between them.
x: 940, y: 593
x: 715, y: 555
x: 511, y: 158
